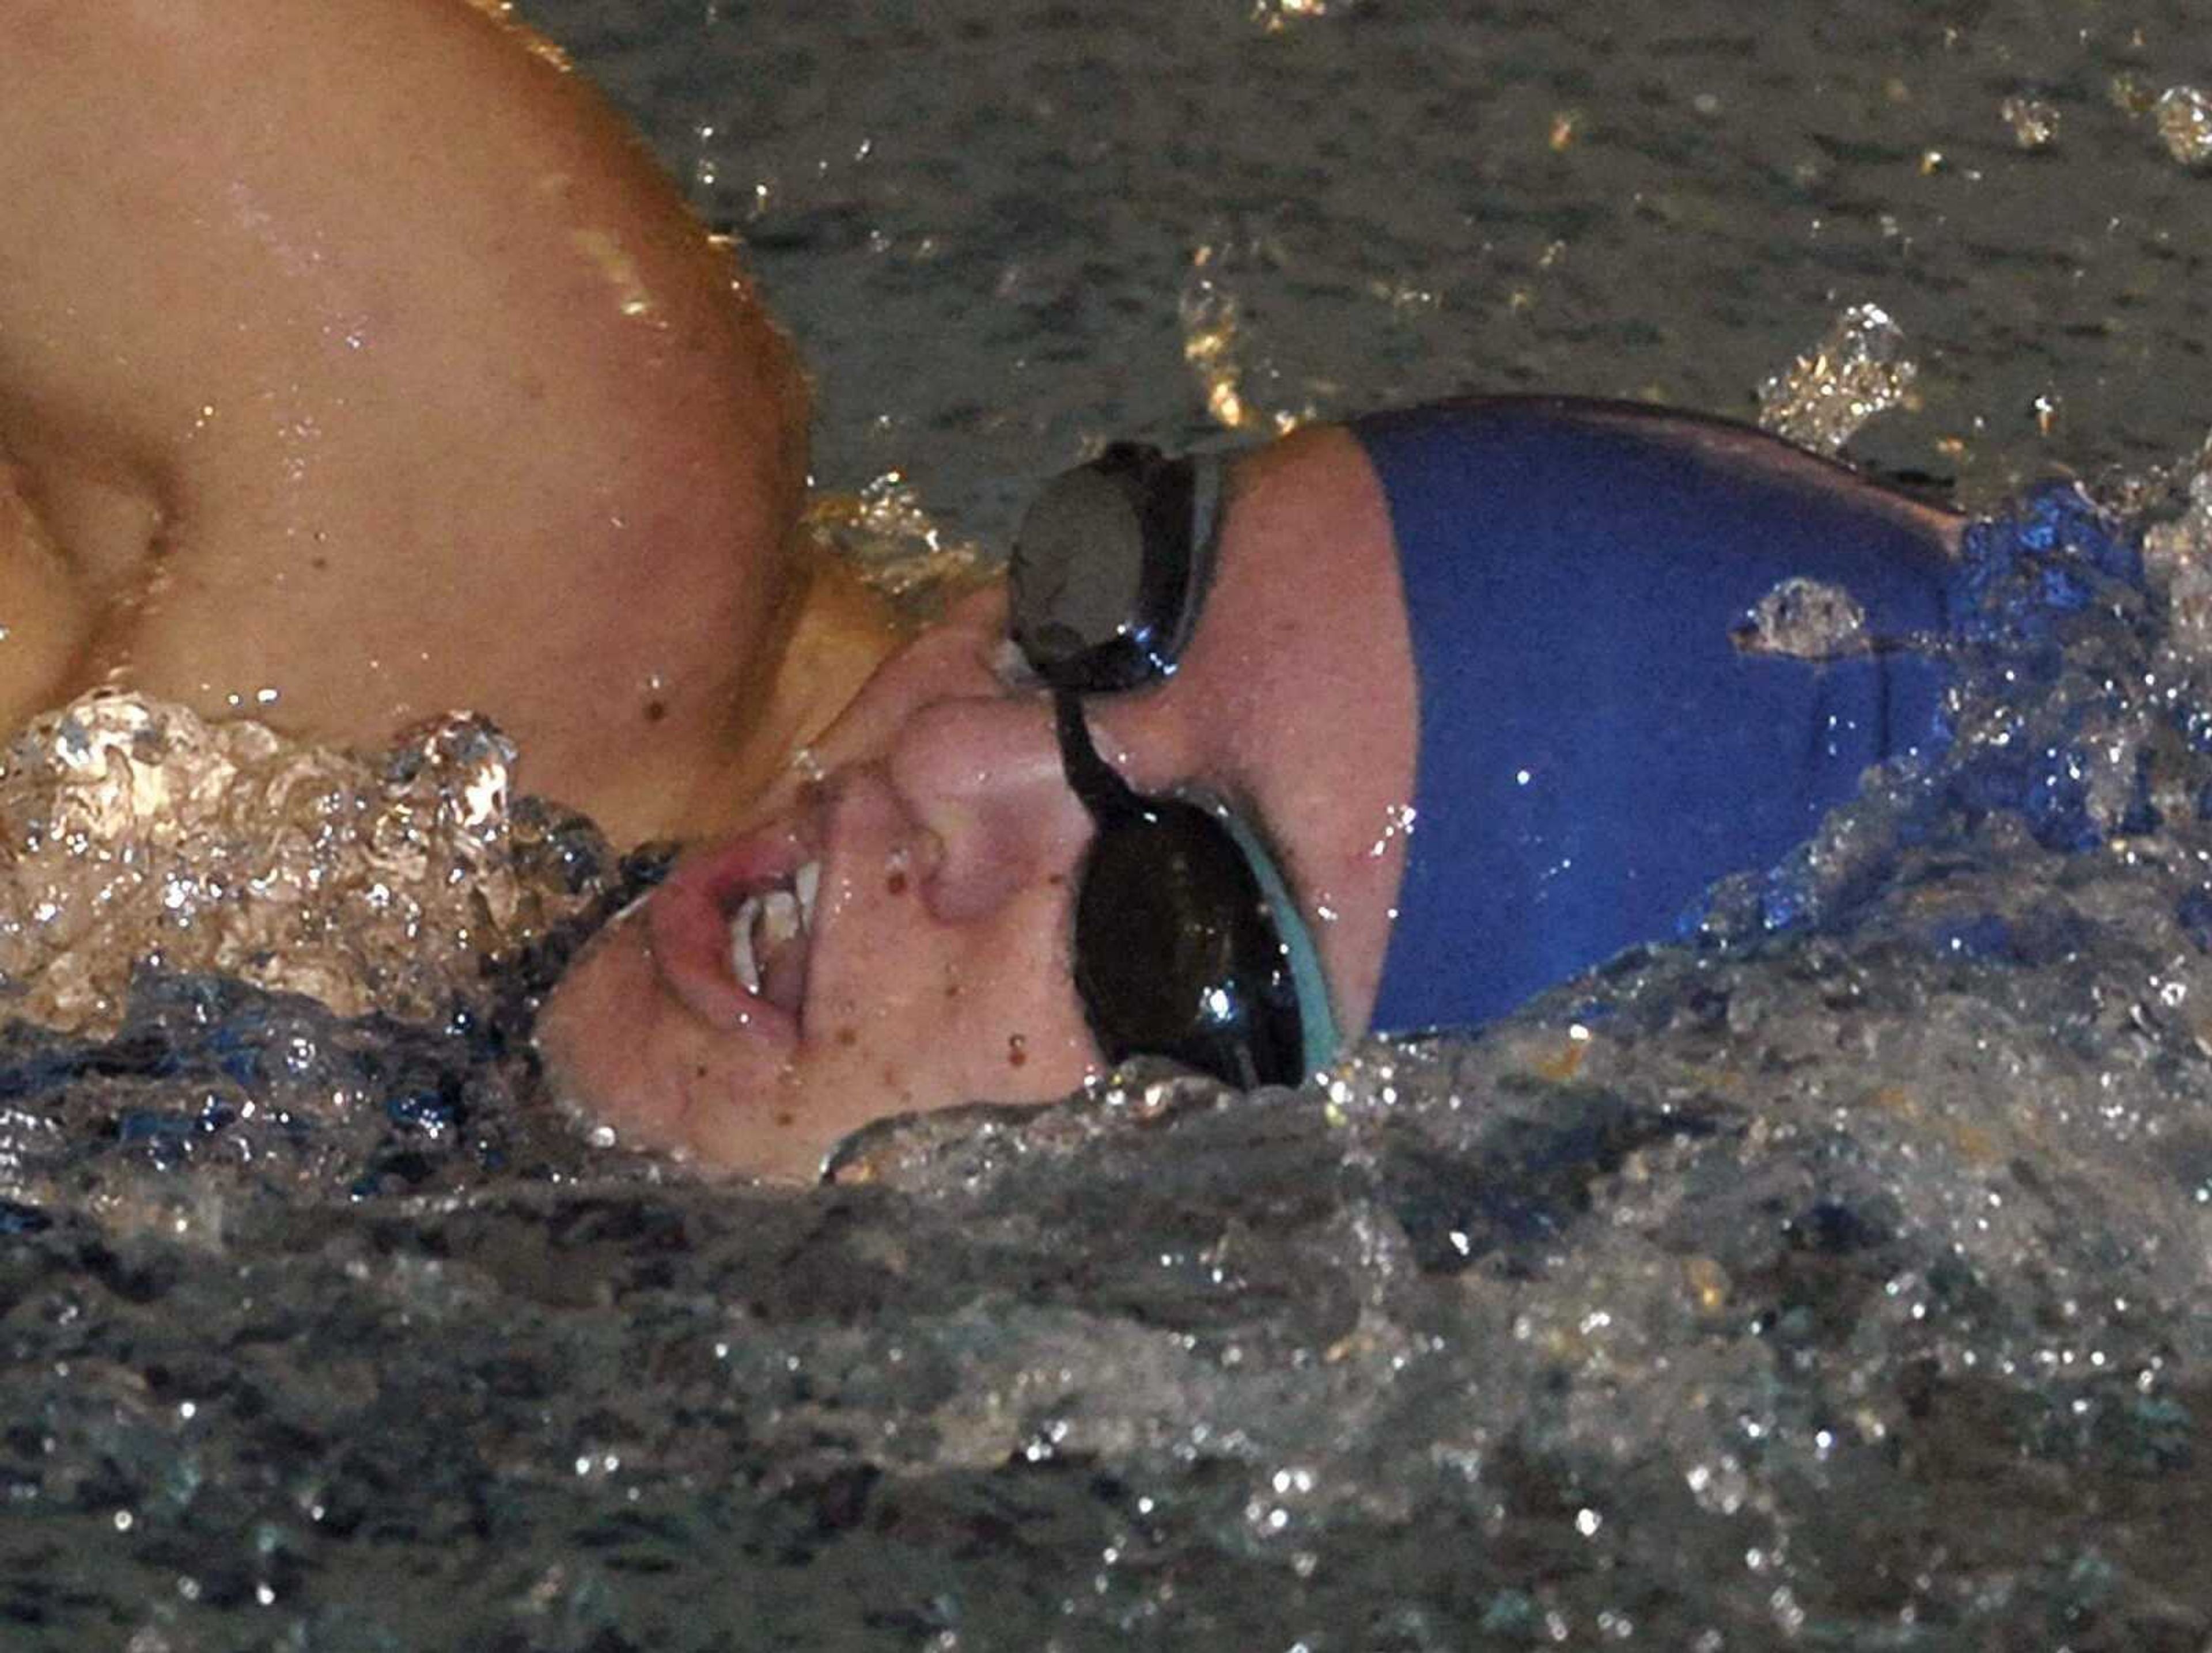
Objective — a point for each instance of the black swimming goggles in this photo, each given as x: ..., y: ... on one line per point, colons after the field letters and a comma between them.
x: 1187, y: 943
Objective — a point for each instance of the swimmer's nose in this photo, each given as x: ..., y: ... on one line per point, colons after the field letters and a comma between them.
x: 982, y: 777
x: 954, y: 659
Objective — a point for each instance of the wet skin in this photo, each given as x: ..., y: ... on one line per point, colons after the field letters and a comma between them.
x: 356, y: 365
x: 435, y: 396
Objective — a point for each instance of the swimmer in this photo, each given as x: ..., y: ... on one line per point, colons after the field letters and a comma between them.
x: 1379, y: 728
x: 358, y: 365
x: 401, y: 381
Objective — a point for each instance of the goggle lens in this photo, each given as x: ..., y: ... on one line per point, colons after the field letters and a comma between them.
x: 1176, y: 955
x: 1110, y: 568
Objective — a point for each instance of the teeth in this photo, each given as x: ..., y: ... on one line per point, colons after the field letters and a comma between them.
x: 762, y: 923
x: 743, y: 964
x: 765, y: 921
x: 809, y: 882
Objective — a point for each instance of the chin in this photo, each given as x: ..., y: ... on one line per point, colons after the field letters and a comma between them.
x: 621, y: 1052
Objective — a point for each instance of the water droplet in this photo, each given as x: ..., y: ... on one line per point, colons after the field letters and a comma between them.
x: 1857, y: 370
x: 2184, y: 115
x: 2034, y: 123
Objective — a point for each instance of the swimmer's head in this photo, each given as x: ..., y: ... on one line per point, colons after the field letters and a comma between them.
x: 1540, y: 601
x: 908, y: 922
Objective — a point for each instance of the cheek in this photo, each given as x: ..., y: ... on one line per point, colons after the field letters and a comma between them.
x: 621, y: 1053
x: 927, y: 1017
x: 886, y: 1065
x: 938, y: 1015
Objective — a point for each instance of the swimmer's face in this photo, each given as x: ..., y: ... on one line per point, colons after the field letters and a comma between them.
x: 938, y: 856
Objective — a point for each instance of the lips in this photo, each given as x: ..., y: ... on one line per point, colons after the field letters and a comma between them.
x: 730, y: 929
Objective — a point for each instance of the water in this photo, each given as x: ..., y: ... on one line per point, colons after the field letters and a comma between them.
x: 1836, y: 1281
x: 987, y: 223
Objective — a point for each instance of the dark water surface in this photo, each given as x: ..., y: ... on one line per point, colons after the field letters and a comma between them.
x: 980, y: 217
x: 1840, y: 1282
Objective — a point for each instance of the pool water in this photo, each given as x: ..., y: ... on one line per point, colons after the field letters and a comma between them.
x: 1838, y: 1278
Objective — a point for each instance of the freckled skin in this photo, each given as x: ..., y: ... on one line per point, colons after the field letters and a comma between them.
x: 938, y: 972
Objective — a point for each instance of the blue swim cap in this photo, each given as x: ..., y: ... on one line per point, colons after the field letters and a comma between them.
x: 1595, y: 748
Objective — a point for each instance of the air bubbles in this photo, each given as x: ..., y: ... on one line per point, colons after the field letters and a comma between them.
x: 2181, y: 115
x: 1218, y: 335
x: 1273, y: 16
x: 135, y: 832
x: 1211, y: 325
x: 892, y: 542
x: 2179, y: 554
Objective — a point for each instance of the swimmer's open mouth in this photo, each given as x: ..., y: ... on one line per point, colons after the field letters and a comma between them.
x: 733, y: 928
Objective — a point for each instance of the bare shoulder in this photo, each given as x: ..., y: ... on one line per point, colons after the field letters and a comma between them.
x: 359, y: 363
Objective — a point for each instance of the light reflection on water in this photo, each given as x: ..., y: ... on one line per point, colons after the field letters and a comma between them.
x: 1844, y: 1284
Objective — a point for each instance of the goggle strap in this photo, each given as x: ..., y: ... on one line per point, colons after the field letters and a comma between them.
x: 1103, y: 793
